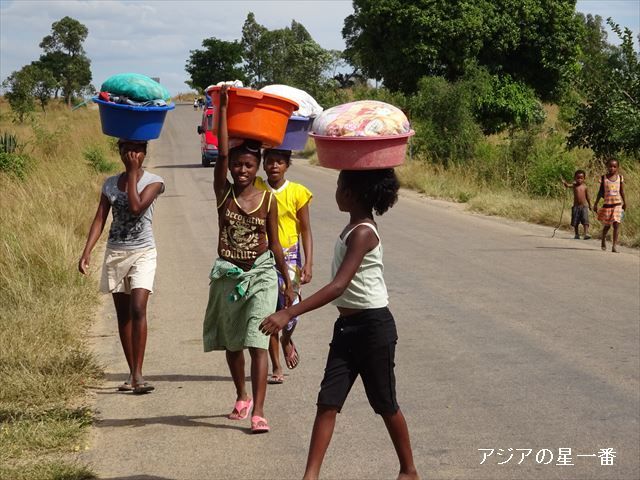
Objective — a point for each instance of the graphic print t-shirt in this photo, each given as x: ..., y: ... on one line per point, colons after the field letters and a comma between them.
x: 129, y: 231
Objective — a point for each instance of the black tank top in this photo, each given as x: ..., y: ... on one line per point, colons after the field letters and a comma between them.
x: 243, y: 235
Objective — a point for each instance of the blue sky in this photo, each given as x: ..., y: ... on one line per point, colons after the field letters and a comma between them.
x: 154, y: 37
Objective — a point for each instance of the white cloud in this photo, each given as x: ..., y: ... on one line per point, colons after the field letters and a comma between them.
x: 154, y: 36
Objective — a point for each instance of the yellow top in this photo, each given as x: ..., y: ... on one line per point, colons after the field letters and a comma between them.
x: 291, y: 198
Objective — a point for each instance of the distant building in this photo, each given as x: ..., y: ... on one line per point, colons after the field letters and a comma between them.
x: 157, y: 79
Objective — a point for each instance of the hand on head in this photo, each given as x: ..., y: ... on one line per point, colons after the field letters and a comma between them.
x: 131, y: 161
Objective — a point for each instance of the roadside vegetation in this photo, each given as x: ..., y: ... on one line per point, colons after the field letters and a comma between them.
x: 49, y: 181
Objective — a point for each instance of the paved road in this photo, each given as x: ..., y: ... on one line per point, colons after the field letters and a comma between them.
x: 508, y: 340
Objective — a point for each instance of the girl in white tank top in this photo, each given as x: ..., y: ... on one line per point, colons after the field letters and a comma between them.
x: 364, y: 336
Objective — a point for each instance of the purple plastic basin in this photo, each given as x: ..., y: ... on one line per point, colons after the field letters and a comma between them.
x: 295, y: 137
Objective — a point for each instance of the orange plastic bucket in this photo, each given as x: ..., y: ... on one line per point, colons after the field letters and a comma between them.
x: 361, y: 153
x: 256, y: 115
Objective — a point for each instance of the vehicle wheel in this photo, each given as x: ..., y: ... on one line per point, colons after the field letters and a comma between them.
x: 206, y: 162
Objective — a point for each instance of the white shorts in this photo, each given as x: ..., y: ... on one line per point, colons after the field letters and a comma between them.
x: 124, y: 270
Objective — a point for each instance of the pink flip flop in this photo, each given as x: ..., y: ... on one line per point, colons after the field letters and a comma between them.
x: 256, y: 427
x: 238, y: 407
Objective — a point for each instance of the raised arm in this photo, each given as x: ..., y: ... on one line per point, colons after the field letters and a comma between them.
x: 359, y: 243
x: 97, y: 226
x: 307, y: 243
x: 222, y: 163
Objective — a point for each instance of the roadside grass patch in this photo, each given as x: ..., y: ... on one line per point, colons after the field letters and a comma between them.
x: 46, y: 470
x: 46, y: 306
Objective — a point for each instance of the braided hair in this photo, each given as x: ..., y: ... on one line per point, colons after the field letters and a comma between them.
x: 248, y: 147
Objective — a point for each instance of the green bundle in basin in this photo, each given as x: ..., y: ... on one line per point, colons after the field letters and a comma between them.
x: 135, y: 86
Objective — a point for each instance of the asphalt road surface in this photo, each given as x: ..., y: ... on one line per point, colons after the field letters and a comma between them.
x: 510, y: 341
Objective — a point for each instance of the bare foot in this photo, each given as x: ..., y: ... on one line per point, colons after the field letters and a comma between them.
x: 614, y: 249
x: 603, y: 245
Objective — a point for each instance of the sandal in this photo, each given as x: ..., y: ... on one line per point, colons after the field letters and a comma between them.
x: 125, y: 387
x: 293, y: 358
x: 275, y: 380
x: 143, y: 388
x: 239, y: 406
x: 259, y: 424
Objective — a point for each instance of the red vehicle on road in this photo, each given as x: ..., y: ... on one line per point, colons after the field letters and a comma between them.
x: 208, y: 141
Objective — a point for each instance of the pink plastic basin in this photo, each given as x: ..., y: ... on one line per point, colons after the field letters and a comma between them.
x: 361, y: 153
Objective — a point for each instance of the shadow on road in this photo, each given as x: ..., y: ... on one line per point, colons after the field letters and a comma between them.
x: 174, y: 420
x: 190, y: 165
x: 121, y: 377
x: 139, y: 477
x: 571, y: 248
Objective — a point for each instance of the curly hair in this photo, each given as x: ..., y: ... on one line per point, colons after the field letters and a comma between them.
x: 376, y: 189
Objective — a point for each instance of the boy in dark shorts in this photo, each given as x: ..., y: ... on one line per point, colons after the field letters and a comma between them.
x: 581, y: 203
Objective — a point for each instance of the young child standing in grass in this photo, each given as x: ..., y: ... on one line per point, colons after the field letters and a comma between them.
x: 244, y: 283
x: 581, y: 204
x: 293, y: 226
x: 612, y: 190
x: 130, y: 258
x: 364, y: 336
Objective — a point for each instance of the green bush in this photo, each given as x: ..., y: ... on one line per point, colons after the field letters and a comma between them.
x: 549, y: 163
x: 49, y: 141
x: 97, y: 159
x: 445, y: 128
x: 15, y: 164
x: 490, y: 164
x: 506, y: 104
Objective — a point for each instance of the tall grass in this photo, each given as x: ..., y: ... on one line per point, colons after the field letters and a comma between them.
x: 493, y: 186
x: 45, y: 305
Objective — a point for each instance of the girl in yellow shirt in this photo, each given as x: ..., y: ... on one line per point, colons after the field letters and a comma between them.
x: 294, y: 227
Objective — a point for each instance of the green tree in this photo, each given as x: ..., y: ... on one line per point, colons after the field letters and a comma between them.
x: 607, y: 120
x: 44, y: 83
x: 65, y: 57
x: 19, y: 88
x: 254, y: 47
x: 218, y: 61
x: 288, y: 55
x: 401, y: 41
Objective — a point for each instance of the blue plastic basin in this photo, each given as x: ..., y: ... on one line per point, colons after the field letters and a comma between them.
x: 295, y: 137
x: 131, y: 122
